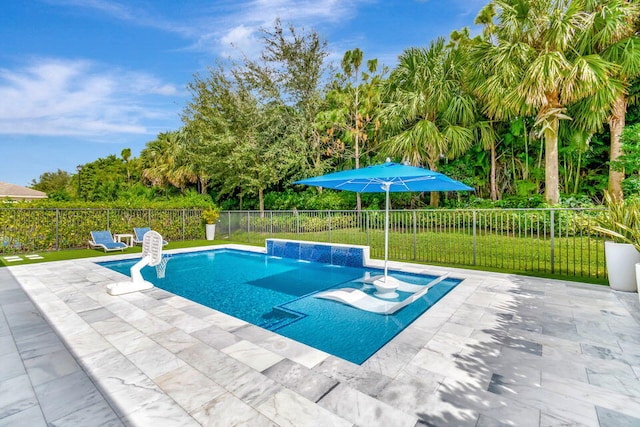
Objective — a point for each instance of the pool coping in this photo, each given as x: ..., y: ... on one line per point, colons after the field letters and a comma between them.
x: 145, y: 349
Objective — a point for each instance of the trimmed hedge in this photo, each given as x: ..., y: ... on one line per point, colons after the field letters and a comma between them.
x: 41, y: 229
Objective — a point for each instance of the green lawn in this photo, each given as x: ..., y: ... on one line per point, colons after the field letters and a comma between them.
x: 95, y: 253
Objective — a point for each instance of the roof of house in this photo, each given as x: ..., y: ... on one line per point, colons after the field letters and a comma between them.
x: 13, y: 191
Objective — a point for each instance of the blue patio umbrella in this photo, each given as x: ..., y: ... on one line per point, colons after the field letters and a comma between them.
x: 388, y: 178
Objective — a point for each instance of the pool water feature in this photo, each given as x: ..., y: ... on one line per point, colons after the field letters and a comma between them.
x: 277, y: 294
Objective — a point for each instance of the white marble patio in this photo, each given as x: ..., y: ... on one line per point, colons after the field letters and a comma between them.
x: 498, y: 350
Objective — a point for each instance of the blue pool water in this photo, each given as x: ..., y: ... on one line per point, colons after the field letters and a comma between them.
x: 277, y: 294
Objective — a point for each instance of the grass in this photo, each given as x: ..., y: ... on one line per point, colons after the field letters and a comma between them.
x: 68, y: 254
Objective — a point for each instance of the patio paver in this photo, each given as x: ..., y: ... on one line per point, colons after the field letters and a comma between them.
x: 497, y: 350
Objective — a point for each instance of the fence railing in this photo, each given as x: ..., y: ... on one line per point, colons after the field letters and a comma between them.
x: 545, y: 241
x: 538, y: 241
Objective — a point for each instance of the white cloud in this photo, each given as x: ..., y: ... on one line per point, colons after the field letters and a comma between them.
x: 227, y: 28
x: 240, y: 29
x: 240, y: 38
x: 124, y: 11
x: 80, y: 98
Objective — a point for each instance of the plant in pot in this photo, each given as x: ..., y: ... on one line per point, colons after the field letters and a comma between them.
x: 210, y: 217
x: 621, y: 223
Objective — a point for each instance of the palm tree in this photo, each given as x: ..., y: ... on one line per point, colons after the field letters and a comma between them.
x: 484, y: 128
x: 350, y: 116
x: 613, y: 34
x: 162, y: 162
x: 530, y: 46
x: 428, y: 115
x: 351, y: 63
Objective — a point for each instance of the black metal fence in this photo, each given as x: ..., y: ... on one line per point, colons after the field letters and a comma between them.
x: 544, y: 241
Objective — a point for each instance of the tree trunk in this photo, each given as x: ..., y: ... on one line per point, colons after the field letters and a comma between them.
x: 261, y: 199
x: 434, y: 199
x: 434, y: 196
x: 551, y: 177
x: 357, y: 149
x: 203, y: 184
x: 358, y: 198
x: 616, y: 126
x: 492, y: 178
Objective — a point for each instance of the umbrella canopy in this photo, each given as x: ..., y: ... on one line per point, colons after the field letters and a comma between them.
x: 388, y: 178
x: 398, y: 178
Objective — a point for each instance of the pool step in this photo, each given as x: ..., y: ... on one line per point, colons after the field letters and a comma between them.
x: 280, y: 317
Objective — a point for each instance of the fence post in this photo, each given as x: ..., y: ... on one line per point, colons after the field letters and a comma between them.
x: 552, y: 240
x: 229, y: 224
x: 475, y: 222
x: 248, y: 226
x: 108, y: 219
x: 270, y: 223
x: 184, y: 222
x: 57, y: 229
x: 329, y: 223
x: 367, y: 213
x: 415, y: 235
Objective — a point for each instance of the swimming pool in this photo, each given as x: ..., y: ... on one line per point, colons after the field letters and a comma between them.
x: 277, y: 294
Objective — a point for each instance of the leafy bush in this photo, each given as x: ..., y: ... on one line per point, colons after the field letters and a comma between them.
x: 191, y: 200
x: 298, y: 222
x: 37, y: 229
x: 210, y: 215
x: 621, y: 221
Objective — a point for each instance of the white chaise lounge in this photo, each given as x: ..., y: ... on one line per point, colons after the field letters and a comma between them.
x: 363, y: 301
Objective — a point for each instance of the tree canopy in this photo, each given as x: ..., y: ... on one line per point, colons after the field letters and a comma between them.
x: 540, y: 106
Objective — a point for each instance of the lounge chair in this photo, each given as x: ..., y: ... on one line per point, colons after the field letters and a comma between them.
x: 138, y: 235
x: 363, y: 301
x: 104, y: 240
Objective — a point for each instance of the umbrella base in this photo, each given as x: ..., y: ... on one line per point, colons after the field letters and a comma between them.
x: 386, y: 287
x: 386, y: 295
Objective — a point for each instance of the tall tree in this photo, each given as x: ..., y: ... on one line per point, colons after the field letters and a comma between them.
x: 484, y: 128
x: 351, y: 62
x: 219, y: 119
x: 612, y: 33
x: 244, y: 124
x: 537, y: 69
x: 51, y: 182
x: 291, y: 71
x: 254, y: 115
x: 353, y: 103
x: 428, y: 115
x: 126, y: 157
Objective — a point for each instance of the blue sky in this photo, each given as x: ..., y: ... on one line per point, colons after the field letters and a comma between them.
x: 82, y: 79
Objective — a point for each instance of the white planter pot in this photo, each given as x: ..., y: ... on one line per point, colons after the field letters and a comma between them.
x: 638, y: 277
x: 210, y: 231
x: 621, y: 259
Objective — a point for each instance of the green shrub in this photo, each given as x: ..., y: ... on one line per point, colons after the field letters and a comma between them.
x: 621, y: 221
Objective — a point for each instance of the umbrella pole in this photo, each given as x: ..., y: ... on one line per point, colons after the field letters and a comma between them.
x: 386, y: 230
